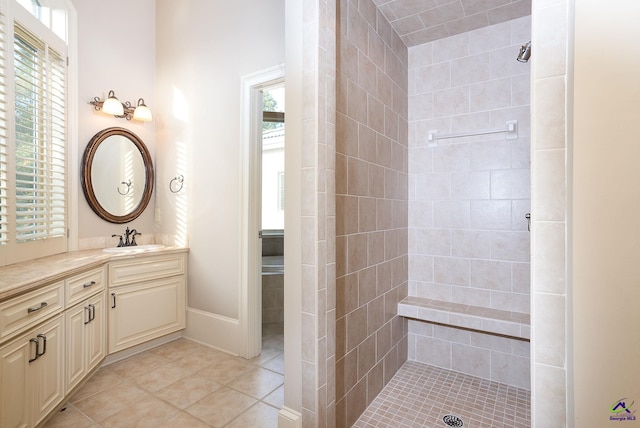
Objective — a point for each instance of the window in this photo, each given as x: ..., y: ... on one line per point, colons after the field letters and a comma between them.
x: 33, y: 138
x: 273, y: 135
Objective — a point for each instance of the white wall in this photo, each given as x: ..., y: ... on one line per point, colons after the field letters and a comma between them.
x: 606, y: 203
x: 116, y: 51
x: 203, y: 50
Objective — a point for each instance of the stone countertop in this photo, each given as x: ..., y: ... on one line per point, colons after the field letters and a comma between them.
x: 22, y: 277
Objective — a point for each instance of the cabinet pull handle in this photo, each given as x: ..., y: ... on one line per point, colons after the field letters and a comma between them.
x: 114, y: 300
x: 92, y: 312
x: 44, y: 345
x: 88, y: 318
x: 37, y: 308
x: 88, y: 284
x: 31, y: 360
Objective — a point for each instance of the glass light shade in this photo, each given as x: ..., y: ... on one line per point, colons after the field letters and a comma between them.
x: 112, y: 105
x: 143, y: 113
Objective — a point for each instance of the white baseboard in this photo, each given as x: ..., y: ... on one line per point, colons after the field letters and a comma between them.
x: 288, y: 418
x: 214, y: 330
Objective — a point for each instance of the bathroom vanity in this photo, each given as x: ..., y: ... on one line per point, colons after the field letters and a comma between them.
x: 61, y: 316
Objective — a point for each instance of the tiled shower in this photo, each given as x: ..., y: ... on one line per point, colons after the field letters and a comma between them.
x: 444, y: 221
x: 469, y: 196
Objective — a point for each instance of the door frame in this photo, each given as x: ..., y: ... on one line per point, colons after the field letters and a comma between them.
x: 251, y: 169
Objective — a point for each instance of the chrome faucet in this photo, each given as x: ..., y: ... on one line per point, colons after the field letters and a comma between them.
x: 130, y: 234
x: 130, y: 238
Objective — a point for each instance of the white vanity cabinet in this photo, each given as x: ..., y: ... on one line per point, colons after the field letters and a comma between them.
x: 32, y: 372
x: 146, y: 298
x: 55, y: 335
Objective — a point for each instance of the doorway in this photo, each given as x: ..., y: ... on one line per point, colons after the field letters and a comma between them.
x: 272, y: 218
x: 262, y: 300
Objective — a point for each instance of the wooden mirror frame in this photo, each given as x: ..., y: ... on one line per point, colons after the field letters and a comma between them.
x: 87, y: 184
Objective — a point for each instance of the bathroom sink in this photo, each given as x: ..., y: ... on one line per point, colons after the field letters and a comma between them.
x: 134, y: 249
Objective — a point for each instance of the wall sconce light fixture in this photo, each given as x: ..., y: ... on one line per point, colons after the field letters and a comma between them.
x: 114, y: 106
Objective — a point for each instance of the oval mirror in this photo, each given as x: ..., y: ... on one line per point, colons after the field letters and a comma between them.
x: 117, y: 175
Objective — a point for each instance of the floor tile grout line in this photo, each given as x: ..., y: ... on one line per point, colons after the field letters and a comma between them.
x: 176, y: 411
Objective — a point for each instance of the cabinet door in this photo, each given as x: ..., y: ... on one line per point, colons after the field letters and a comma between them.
x: 30, y: 388
x: 15, y: 389
x: 144, y: 311
x: 48, y: 369
x: 86, y: 339
x: 76, y: 344
x: 96, y: 342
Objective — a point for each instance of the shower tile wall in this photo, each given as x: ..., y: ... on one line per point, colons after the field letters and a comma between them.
x: 371, y: 206
x: 468, y: 238
x: 272, y: 284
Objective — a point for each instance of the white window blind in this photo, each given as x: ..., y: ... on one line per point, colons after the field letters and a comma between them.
x: 40, y: 181
x: 4, y: 189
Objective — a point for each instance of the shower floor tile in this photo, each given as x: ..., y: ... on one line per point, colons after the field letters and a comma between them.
x: 420, y: 395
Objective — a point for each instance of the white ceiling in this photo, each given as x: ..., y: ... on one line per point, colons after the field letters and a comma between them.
x: 421, y: 21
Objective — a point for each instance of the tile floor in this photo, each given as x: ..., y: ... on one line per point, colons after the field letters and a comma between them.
x: 420, y: 395
x: 183, y: 383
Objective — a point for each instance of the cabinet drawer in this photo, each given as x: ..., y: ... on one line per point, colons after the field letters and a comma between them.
x: 83, y: 285
x: 27, y: 310
x: 144, y: 269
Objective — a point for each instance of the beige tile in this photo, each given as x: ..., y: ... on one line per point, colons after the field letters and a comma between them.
x: 259, y: 416
x: 275, y: 342
x: 356, y: 401
x: 148, y: 412
x: 275, y: 364
x: 187, y: 391
x: 70, y: 417
x: 266, y: 354
x: 181, y: 420
x: 137, y: 365
x: 220, y: 407
x: 111, y: 400
x: 157, y: 379
x: 258, y: 382
x: 200, y: 358
x: 356, y: 252
x: 177, y: 349
x: 366, y: 285
x: 346, y: 294
x: 226, y: 370
x: 276, y: 398
x: 101, y: 380
x: 356, y: 327
x: 478, y: 402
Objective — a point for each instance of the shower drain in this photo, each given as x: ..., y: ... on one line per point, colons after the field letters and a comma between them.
x: 452, y: 421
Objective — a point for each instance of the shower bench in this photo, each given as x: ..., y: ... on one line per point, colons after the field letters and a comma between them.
x: 486, y: 320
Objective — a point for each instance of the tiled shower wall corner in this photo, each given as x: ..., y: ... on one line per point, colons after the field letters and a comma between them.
x: 317, y: 178
x: 552, y: 76
x: 468, y: 197
x: 371, y: 206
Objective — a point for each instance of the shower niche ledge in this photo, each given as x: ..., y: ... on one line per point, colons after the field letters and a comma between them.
x: 486, y: 320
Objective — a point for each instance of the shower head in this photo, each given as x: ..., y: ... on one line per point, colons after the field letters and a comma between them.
x: 525, y: 52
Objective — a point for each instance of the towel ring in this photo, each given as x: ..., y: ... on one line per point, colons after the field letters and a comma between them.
x: 128, y: 188
x: 176, y: 183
